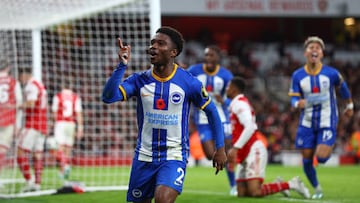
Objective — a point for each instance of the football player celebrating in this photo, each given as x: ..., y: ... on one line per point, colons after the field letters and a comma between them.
x: 313, y: 91
x: 164, y: 94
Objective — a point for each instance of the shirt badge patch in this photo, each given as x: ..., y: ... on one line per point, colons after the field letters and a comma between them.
x: 176, y: 98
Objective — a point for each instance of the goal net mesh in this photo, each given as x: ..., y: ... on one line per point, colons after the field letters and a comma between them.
x: 78, y: 43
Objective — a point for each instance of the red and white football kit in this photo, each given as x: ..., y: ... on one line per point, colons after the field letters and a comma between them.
x: 65, y: 105
x: 252, y: 154
x: 33, y: 134
x: 10, y: 98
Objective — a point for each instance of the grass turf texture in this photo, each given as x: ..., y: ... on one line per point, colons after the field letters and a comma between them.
x: 340, y: 184
x: 106, y: 176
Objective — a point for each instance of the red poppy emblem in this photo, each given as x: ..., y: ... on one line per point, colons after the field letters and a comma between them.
x: 315, y: 89
x: 209, y: 88
x: 160, y: 104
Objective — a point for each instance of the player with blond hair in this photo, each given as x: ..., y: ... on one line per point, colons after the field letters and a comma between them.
x: 313, y: 91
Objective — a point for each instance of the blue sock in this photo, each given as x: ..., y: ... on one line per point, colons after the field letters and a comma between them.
x: 231, y: 177
x: 310, y: 172
x: 322, y: 160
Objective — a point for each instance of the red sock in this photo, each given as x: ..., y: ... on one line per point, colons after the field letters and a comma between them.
x: 24, y: 166
x: 66, y: 160
x: 38, y: 168
x: 271, y: 188
x: 61, y: 159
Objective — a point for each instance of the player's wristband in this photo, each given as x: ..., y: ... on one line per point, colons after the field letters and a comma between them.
x: 350, y: 106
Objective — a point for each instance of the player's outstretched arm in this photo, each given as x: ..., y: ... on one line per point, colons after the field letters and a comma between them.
x: 111, y: 92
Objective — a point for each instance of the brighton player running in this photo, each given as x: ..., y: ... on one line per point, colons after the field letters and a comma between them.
x: 32, y: 135
x: 67, y: 114
x: 10, y: 99
x: 313, y: 91
x: 248, y: 152
x: 164, y: 95
x: 215, y: 78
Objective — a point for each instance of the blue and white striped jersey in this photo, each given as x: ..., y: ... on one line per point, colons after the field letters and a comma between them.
x: 319, y: 90
x: 162, y: 112
x: 215, y: 83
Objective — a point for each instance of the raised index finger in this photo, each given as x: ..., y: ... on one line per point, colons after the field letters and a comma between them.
x: 120, y: 43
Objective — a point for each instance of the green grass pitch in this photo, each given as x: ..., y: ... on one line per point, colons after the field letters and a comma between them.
x: 340, y: 184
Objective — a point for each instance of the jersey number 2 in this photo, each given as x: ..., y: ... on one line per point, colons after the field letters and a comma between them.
x: 179, y: 180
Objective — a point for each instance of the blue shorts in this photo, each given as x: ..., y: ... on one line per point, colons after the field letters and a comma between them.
x: 205, y: 133
x: 308, y: 138
x: 145, y: 176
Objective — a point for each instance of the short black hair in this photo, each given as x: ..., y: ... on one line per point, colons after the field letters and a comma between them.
x: 26, y: 70
x: 175, y: 36
x: 215, y: 48
x: 239, y: 83
x: 66, y: 82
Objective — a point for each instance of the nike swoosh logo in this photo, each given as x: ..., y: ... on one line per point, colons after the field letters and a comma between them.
x: 145, y: 95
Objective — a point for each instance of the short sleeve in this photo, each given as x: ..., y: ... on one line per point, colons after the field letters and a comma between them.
x: 31, y: 92
x: 78, y: 104
x: 55, y: 103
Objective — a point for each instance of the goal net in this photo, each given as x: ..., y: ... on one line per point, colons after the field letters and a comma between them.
x: 75, y: 41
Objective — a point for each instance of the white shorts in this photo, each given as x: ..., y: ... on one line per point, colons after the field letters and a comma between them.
x: 6, y: 136
x: 31, y: 140
x: 254, y: 166
x: 64, y: 133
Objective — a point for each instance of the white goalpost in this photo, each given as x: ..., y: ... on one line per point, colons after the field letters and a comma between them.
x: 75, y: 41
